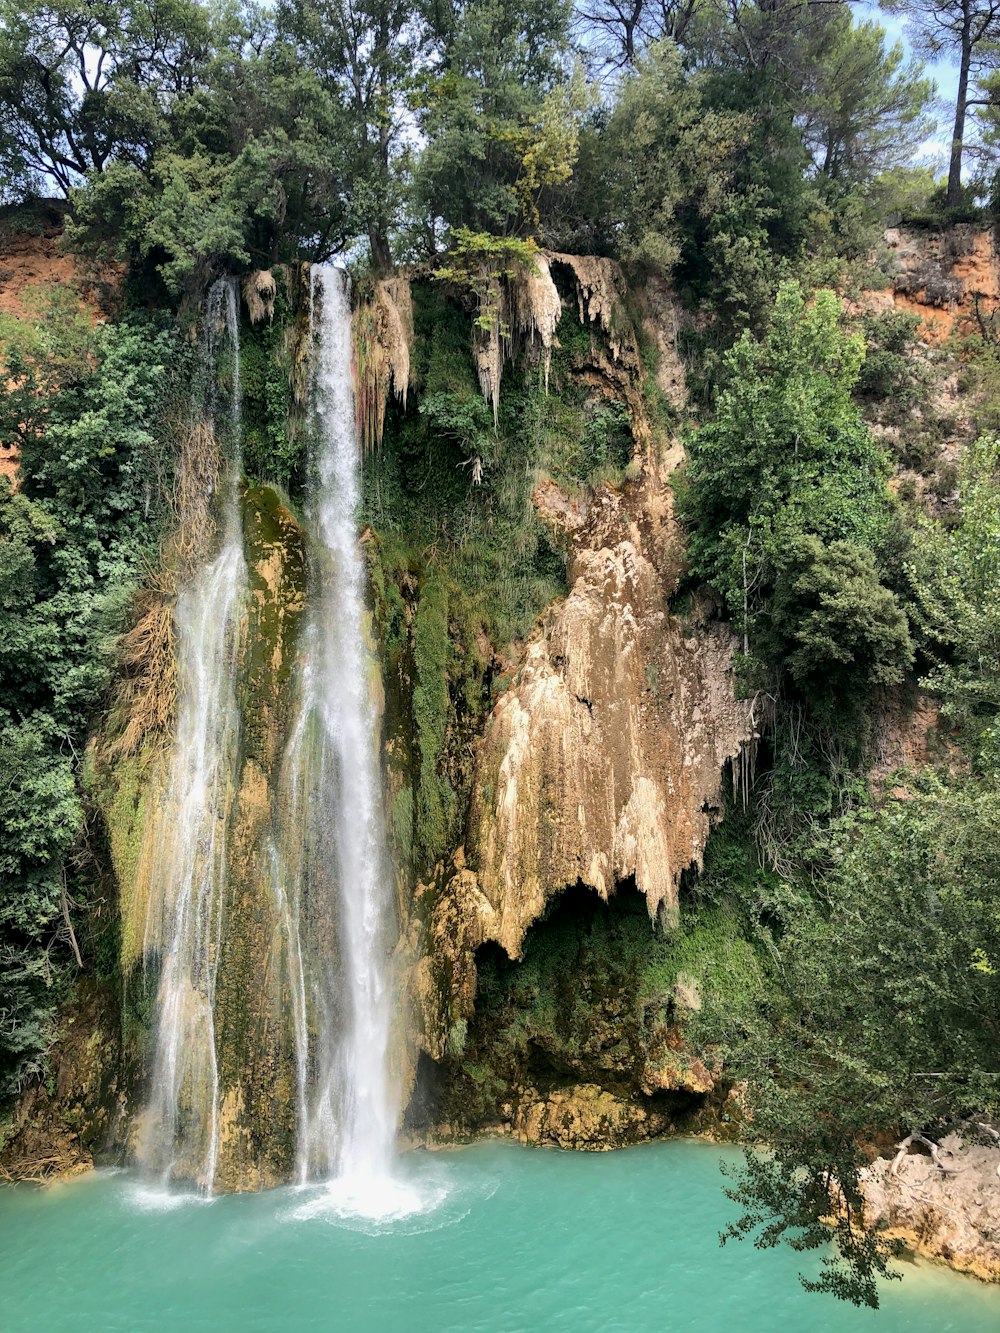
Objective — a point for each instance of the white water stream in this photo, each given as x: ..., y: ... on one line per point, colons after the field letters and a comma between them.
x: 180, y: 1131
x: 340, y: 894
x: 331, y: 880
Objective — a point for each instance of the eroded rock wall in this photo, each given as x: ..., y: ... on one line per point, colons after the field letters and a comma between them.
x: 598, y: 768
x: 601, y: 764
x: 950, y: 278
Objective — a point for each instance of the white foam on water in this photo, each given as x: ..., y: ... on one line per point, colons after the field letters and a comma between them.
x: 145, y: 1197
x: 424, y: 1194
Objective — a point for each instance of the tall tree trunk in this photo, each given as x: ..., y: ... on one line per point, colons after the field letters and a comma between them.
x: 381, y: 254
x: 958, y: 134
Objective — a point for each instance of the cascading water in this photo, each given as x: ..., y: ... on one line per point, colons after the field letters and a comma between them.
x: 334, y: 854
x: 180, y: 1132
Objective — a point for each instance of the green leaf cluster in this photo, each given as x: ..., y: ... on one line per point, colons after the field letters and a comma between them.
x: 887, y: 1021
x: 787, y: 505
x: 87, y: 411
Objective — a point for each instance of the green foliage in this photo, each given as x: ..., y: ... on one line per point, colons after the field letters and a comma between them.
x: 954, y: 576
x: 890, y: 369
x: 365, y: 57
x: 497, y: 128
x: 431, y: 651
x: 669, y: 159
x: 886, y: 1022
x: 786, y: 500
x: 273, y: 444
x: 87, y: 412
x: 40, y: 815
x: 579, y: 436
x: 242, y: 165
x: 594, y: 997
x: 419, y: 489
x: 82, y: 84
x: 455, y: 565
x: 835, y: 628
x: 867, y: 107
x: 980, y: 382
x: 478, y: 261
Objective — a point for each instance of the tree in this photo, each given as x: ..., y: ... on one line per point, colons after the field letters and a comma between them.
x: 888, y: 1023
x: 667, y: 157
x: 614, y: 33
x: 787, y: 456
x: 835, y: 628
x: 864, y: 109
x: 252, y: 167
x: 367, y: 55
x: 85, y: 404
x: 970, y: 28
x: 81, y: 85
x: 490, y: 112
x: 755, y: 36
x: 954, y: 577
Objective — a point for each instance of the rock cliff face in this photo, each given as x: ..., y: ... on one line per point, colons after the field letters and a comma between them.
x: 951, y: 279
x: 600, y: 767
x: 595, y: 778
x: 602, y: 762
x: 256, y: 1077
x: 951, y: 1214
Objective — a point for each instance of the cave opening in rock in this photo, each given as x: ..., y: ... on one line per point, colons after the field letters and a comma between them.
x: 587, y: 1014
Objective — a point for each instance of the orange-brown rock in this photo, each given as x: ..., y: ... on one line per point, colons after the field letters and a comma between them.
x: 951, y: 278
x: 32, y: 256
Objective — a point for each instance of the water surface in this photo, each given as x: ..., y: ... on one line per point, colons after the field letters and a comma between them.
x: 509, y: 1240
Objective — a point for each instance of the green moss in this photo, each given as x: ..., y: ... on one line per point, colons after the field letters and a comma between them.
x: 401, y: 825
x: 486, y: 540
x: 573, y: 1010
x: 455, y: 568
x: 122, y: 796
x: 712, y: 949
x: 276, y: 565
x: 594, y: 999
x: 140, y: 984
x: 435, y: 800
x: 273, y: 448
x: 573, y: 341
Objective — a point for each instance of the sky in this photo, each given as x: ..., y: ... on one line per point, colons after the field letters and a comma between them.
x: 933, y: 150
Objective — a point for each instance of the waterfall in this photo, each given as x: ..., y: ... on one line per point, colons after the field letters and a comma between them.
x: 333, y: 854
x: 184, y: 921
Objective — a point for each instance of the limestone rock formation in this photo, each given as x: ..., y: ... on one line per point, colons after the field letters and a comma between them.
x: 585, y: 1116
x: 383, y: 332
x: 58, y: 1127
x: 602, y: 763
x: 260, y: 290
x: 951, y: 1214
x: 523, y: 309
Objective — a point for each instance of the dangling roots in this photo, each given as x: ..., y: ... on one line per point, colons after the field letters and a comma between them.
x: 146, y: 688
